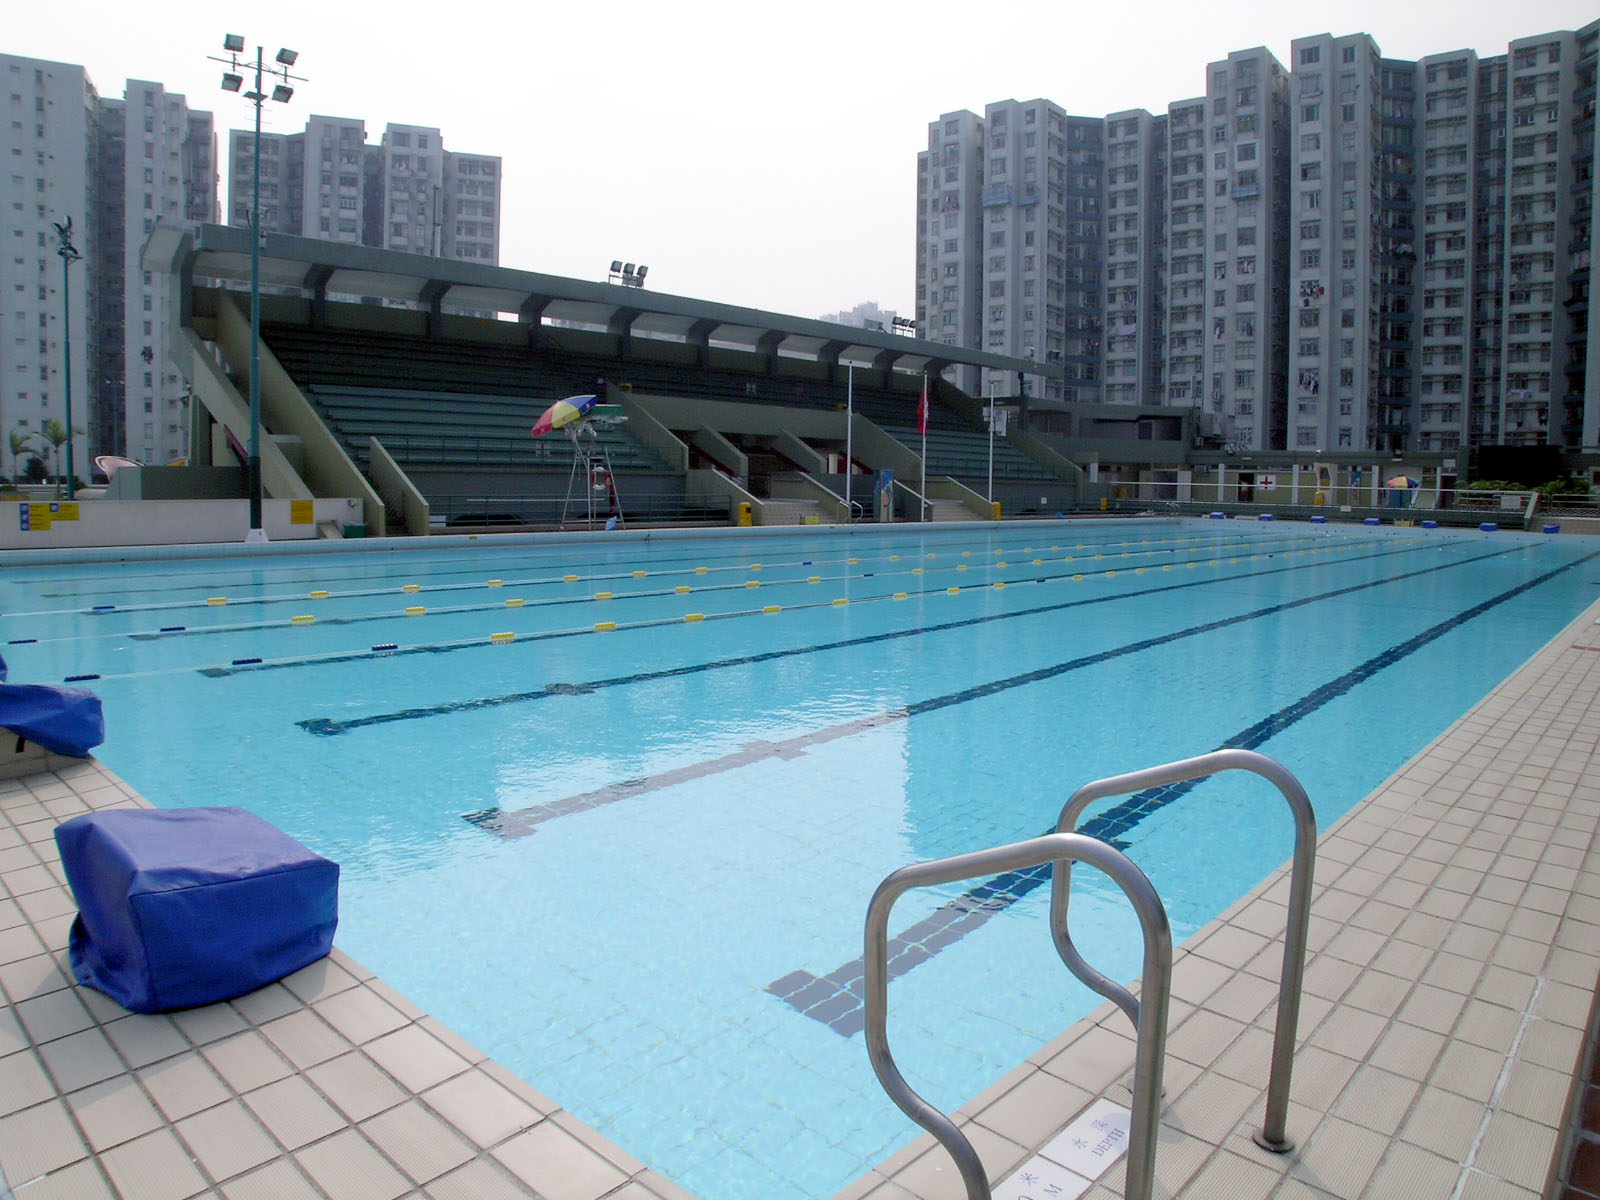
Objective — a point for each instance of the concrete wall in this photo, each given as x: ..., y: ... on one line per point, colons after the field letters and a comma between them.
x: 161, y: 522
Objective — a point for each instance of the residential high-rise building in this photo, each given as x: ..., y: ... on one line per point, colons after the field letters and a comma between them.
x: 950, y: 235
x: 405, y: 193
x: 113, y: 166
x: 1135, y: 267
x: 169, y: 169
x: 1355, y: 253
x: 1247, y: 206
x: 1185, y: 299
x: 47, y: 146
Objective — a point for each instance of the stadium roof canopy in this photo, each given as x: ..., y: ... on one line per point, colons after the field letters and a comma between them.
x: 324, y: 270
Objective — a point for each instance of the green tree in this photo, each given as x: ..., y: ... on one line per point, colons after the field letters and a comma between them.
x: 18, y: 441
x: 22, y: 443
x: 56, y: 434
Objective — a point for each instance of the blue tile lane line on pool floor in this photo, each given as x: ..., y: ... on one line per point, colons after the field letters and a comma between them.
x: 835, y: 999
x: 327, y: 727
x: 516, y: 823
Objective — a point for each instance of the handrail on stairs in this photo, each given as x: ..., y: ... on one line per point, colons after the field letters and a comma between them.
x: 1150, y: 1014
x: 1272, y: 1135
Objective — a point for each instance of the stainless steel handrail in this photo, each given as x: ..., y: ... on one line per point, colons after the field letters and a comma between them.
x: 1271, y: 1135
x: 1149, y: 1018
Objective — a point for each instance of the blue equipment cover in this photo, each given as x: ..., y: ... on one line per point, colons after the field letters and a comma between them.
x: 62, y: 719
x: 180, y: 907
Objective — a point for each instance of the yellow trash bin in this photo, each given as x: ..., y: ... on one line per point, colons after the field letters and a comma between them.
x: 744, y: 513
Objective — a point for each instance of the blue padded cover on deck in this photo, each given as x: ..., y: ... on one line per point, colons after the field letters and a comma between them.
x: 180, y: 907
x: 61, y: 719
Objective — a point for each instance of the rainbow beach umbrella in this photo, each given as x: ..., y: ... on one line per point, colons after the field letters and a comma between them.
x: 563, y: 413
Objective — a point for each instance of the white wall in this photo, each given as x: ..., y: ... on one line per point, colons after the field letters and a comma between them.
x: 163, y: 522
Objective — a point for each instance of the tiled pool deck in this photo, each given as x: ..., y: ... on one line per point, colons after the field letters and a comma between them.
x: 1455, y: 948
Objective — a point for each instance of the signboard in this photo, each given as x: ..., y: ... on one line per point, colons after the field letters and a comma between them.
x: 1266, y: 482
x: 300, y: 512
x: 885, y: 494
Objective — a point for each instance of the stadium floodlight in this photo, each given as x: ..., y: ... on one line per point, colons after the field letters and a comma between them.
x: 282, y: 92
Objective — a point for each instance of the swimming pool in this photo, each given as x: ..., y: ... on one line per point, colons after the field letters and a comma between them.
x: 633, y: 864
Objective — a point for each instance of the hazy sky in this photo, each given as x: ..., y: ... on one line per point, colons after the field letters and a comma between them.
x: 758, y: 154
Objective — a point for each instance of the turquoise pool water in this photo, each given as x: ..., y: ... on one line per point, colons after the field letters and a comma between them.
x: 632, y: 864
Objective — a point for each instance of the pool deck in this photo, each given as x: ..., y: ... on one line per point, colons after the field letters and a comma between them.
x: 1455, y: 949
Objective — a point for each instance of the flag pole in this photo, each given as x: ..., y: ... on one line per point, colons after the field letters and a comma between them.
x: 991, y: 443
x: 849, y: 435
x: 922, y: 422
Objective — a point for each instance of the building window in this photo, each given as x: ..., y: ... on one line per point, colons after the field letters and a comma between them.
x: 1310, y: 55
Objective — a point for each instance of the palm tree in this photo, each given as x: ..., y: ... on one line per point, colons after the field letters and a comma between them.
x: 18, y: 441
x: 21, y: 440
x: 56, y: 434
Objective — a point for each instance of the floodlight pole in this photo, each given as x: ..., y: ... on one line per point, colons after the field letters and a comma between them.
x: 69, y: 255
x: 253, y: 464
x: 257, y: 97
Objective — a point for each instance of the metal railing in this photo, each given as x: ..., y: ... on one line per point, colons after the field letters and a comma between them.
x: 921, y: 500
x: 482, y: 509
x: 1150, y: 1016
x: 1272, y: 1135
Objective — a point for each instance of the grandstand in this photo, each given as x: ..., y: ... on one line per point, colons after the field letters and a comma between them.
x: 382, y: 378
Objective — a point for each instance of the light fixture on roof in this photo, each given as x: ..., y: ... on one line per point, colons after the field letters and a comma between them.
x: 282, y: 92
x: 627, y: 274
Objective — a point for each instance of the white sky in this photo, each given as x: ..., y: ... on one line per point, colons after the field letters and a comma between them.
x: 754, y: 153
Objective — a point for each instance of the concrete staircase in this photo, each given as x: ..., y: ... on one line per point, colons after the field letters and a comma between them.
x: 950, y: 510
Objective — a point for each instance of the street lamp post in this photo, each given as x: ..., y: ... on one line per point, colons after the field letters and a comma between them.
x: 69, y: 255
x: 233, y: 81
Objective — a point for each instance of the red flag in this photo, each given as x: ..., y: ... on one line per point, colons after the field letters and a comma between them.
x: 922, y: 409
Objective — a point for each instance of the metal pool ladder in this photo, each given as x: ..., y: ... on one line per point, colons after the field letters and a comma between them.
x: 1149, y: 1016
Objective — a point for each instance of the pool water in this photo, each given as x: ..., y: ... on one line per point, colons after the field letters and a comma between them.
x: 613, y: 808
